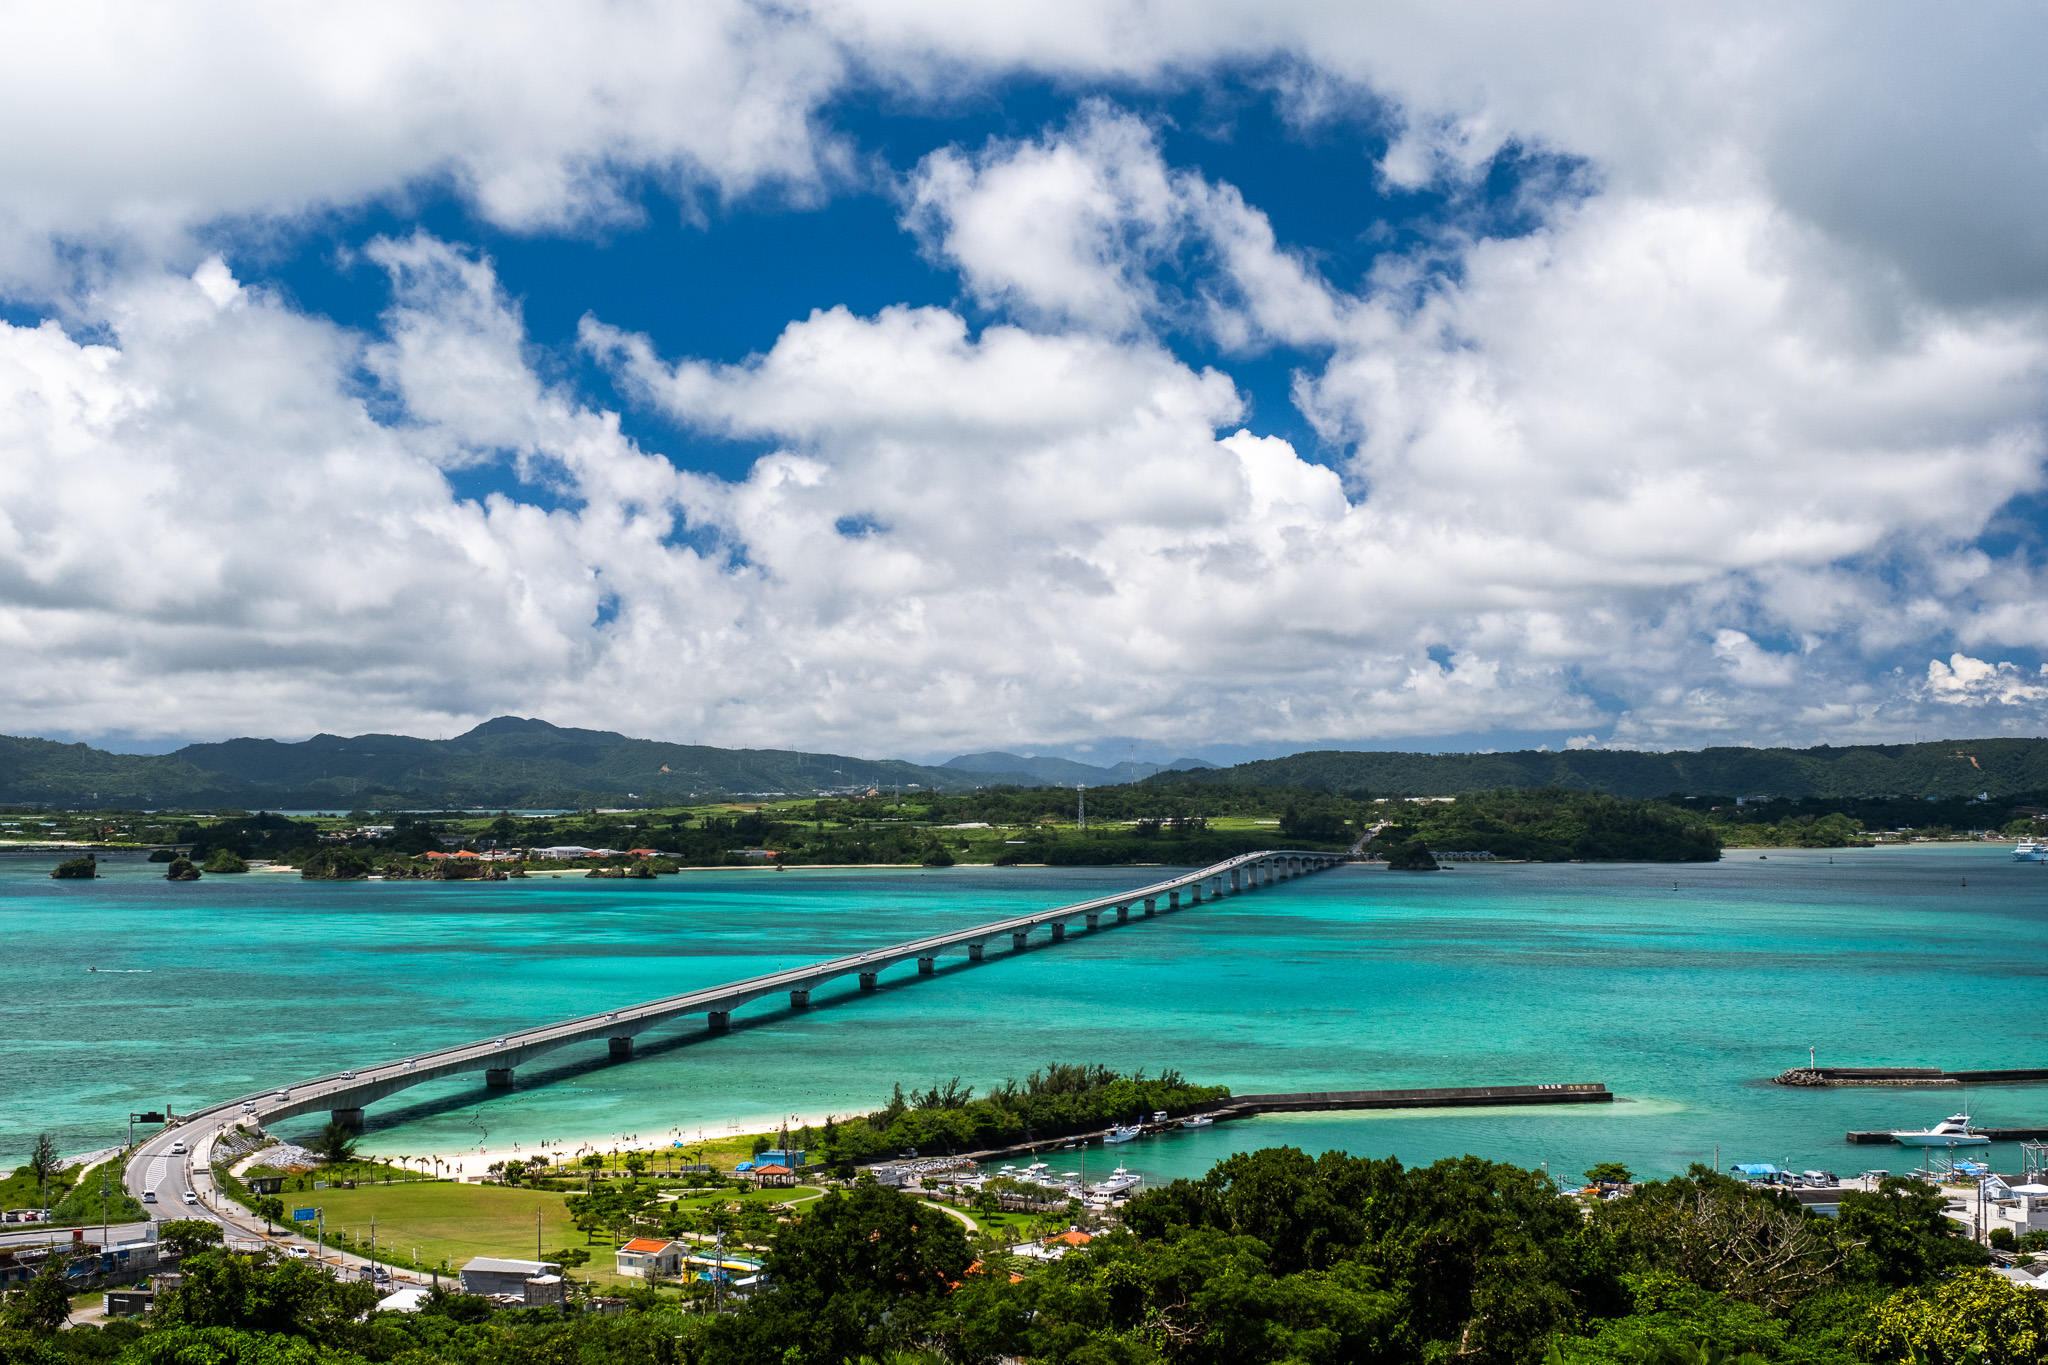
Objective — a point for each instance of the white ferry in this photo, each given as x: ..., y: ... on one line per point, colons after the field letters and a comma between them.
x: 2030, y: 851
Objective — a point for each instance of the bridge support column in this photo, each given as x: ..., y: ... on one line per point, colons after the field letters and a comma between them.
x: 719, y: 1020
x: 1123, y: 914
x: 927, y: 965
x: 1150, y: 904
x: 621, y: 1049
x: 974, y: 952
x: 799, y: 999
x: 1017, y: 941
x: 868, y: 981
x: 1194, y: 894
x: 347, y: 1118
x: 1094, y: 918
x: 1059, y: 933
x: 499, y: 1078
x: 1236, y: 881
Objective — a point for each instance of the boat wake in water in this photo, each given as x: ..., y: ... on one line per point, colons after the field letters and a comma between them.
x: 123, y: 971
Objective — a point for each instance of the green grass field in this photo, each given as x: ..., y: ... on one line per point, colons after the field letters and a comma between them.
x: 448, y: 1224
x: 451, y: 1223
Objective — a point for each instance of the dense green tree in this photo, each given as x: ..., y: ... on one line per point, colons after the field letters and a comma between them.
x: 1975, y: 1318
x: 225, y: 860
x: 336, y: 865
x: 336, y: 1143
x: 188, y: 1236
x: 257, y: 1294
x: 181, y: 870
x: 863, y: 1274
x: 1753, y: 1244
x: 44, y: 1306
x: 1413, y: 856
x: 1902, y: 1235
x: 77, y: 869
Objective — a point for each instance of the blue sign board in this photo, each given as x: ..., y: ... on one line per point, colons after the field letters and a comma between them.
x: 304, y: 1215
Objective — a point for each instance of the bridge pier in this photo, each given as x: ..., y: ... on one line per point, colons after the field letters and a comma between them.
x: 799, y: 999
x: 1059, y: 933
x: 719, y: 1020
x: 1094, y: 918
x: 868, y: 981
x: 927, y: 965
x: 1017, y: 941
x: 1123, y: 914
x: 1236, y: 881
x: 974, y: 952
x: 499, y: 1078
x: 1149, y: 904
x: 351, y: 1119
x: 1194, y: 894
x: 621, y: 1049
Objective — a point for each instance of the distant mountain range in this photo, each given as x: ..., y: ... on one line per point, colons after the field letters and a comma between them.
x: 1063, y: 772
x: 527, y: 764
x: 1949, y: 767
x: 524, y: 764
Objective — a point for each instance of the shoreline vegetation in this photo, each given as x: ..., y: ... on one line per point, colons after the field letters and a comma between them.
x: 1273, y: 1255
x: 1144, y: 824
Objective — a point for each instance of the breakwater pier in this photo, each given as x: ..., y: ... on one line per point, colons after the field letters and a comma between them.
x: 1455, y: 1097
x: 1246, y: 1106
x: 1905, y: 1076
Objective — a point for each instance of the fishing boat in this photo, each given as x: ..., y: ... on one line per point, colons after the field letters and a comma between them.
x: 1119, y: 1133
x: 1953, y: 1131
x: 1196, y: 1121
x: 1119, y: 1182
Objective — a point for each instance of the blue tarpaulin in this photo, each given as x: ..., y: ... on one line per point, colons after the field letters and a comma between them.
x: 1755, y: 1170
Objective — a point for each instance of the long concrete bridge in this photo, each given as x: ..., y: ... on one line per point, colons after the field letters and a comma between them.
x: 346, y: 1093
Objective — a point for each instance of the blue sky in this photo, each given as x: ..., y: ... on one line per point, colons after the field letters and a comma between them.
x: 1214, y: 382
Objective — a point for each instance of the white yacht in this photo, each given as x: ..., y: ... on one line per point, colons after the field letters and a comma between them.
x: 1953, y: 1131
x: 1120, y: 1182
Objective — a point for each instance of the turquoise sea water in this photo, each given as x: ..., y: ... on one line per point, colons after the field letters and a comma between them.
x: 1683, y: 988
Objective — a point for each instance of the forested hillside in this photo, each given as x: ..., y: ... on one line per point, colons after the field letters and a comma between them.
x: 1950, y: 768
x: 503, y: 762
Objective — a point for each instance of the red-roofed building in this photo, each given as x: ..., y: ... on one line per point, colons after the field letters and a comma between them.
x: 773, y: 1175
x: 644, y: 1256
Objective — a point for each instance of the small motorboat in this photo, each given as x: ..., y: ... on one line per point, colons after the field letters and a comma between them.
x: 1196, y: 1121
x: 1953, y: 1131
x: 1119, y: 1133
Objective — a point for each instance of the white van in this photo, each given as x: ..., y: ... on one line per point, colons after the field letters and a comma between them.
x: 191, y: 1198
x: 149, y: 1196
x: 177, y: 1149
